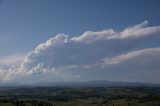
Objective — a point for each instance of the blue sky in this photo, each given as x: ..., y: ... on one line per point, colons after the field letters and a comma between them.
x: 24, y: 24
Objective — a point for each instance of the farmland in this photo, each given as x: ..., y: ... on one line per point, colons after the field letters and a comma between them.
x: 80, y: 96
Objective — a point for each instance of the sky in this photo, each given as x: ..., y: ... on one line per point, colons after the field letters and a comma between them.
x: 79, y: 40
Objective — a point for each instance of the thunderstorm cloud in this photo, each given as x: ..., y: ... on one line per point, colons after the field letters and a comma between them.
x: 63, y: 57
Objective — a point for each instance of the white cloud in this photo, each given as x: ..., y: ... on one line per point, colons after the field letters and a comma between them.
x: 11, y: 59
x: 147, y: 53
x: 62, y: 57
x: 136, y: 31
x: 57, y: 40
x: 3, y: 74
x: 90, y: 36
x: 7, y: 63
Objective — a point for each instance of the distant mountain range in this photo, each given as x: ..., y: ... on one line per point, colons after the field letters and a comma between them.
x: 98, y: 83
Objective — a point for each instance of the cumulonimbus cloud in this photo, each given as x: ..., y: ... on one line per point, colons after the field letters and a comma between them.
x: 59, y: 54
